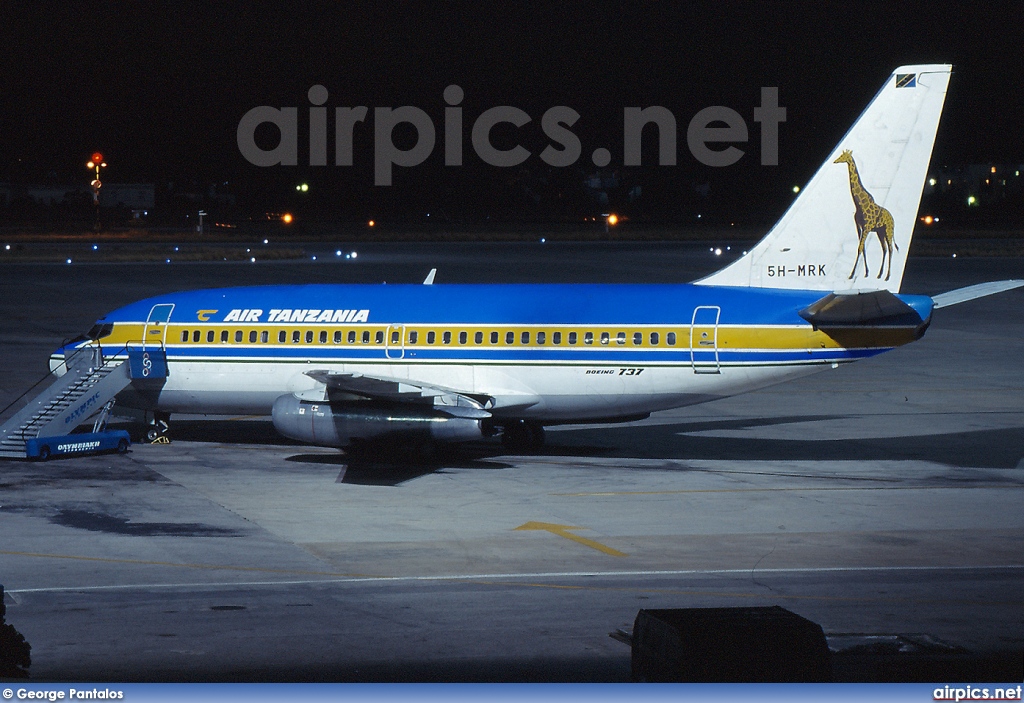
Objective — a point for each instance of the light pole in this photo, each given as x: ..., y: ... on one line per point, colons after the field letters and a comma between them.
x: 96, y: 163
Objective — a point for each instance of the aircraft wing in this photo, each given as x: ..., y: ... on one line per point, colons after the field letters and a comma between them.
x: 404, y: 390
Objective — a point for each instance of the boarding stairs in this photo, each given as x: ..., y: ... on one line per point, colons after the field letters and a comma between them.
x: 87, y: 387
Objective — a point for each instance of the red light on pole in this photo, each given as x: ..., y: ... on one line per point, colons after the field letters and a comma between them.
x: 97, y: 158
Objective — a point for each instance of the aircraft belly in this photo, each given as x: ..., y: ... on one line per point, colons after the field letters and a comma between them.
x: 226, y: 387
x: 557, y: 392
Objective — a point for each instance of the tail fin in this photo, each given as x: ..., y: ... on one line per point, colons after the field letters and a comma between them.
x: 850, y: 227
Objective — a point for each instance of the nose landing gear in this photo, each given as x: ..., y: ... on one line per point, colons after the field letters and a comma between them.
x: 159, y: 429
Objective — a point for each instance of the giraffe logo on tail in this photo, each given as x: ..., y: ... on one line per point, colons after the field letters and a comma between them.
x: 869, y: 217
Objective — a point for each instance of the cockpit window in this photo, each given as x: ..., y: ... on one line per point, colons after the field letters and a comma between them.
x: 99, y: 331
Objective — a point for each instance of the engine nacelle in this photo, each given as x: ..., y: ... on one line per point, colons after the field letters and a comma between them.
x: 337, y: 424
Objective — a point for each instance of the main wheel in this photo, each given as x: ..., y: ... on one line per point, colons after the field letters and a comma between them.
x: 44, y: 452
x: 522, y: 436
x: 122, y: 446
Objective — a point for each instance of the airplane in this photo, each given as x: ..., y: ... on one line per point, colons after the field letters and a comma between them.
x: 336, y: 365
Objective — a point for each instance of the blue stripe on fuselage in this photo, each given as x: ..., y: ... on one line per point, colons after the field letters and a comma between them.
x: 498, y: 304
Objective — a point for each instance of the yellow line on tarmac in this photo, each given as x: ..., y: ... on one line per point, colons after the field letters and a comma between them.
x: 563, y: 531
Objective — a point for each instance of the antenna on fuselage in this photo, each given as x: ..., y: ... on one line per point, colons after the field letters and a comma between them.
x: 429, y: 280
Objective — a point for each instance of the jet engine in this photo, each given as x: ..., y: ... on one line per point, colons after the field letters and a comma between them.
x: 337, y: 424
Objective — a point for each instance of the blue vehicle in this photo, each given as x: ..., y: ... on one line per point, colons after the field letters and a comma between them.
x: 42, y: 448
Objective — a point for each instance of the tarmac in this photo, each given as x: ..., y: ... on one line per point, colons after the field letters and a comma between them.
x: 881, y: 500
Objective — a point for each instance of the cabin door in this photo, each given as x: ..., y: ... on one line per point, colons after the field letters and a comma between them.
x: 704, y: 339
x: 155, y: 333
x: 395, y: 348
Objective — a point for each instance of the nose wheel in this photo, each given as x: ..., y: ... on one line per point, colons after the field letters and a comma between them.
x: 159, y: 429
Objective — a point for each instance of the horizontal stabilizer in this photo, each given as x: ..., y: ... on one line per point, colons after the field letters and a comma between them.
x: 962, y: 295
x: 857, y: 308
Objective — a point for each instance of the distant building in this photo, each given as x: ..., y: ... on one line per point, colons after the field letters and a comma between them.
x: 985, y: 182
x: 41, y: 194
x: 135, y: 196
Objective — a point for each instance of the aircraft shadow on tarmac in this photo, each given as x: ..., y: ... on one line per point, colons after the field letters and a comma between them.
x: 390, y: 468
x: 382, y: 465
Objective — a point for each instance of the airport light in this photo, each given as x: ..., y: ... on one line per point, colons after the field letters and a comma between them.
x: 302, y: 187
x: 613, y: 219
x: 97, y: 163
x: 971, y: 200
x: 796, y: 189
x: 287, y: 218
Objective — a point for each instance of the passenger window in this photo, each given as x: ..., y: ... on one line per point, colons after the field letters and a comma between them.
x: 510, y: 338
x: 572, y: 338
x: 184, y: 335
x: 195, y: 336
x: 525, y: 338
x: 638, y: 338
x: 396, y: 336
x: 463, y: 337
x: 378, y: 338
x: 556, y: 338
x: 431, y: 337
x: 238, y: 336
x: 413, y: 336
x: 323, y: 336
x: 282, y: 336
x: 620, y: 338
x: 252, y: 337
x: 541, y: 337
x: 478, y: 337
x: 366, y: 336
x: 494, y: 337
x: 671, y: 339
x: 351, y: 336
x: 588, y: 338
x: 223, y: 336
x: 337, y: 336
x: 446, y: 338
x: 309, y: 336
x: 295, y: 336
x: 209, y: 336
x: 605, y: 338
x: 654, y: 339
x: 264, y: 337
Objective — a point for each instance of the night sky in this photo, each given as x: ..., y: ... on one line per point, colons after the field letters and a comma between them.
x: 160, y: 88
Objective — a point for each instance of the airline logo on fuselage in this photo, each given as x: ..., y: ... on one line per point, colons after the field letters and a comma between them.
x: 315, y: 315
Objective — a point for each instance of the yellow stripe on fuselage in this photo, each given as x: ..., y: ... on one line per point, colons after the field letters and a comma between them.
x: 651, y: 337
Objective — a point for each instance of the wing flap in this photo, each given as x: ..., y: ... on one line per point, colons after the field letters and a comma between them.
x: 402, y: 390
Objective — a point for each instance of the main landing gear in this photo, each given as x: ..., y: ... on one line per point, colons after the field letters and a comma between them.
x: 159, y: 428
x: 522, y: 436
